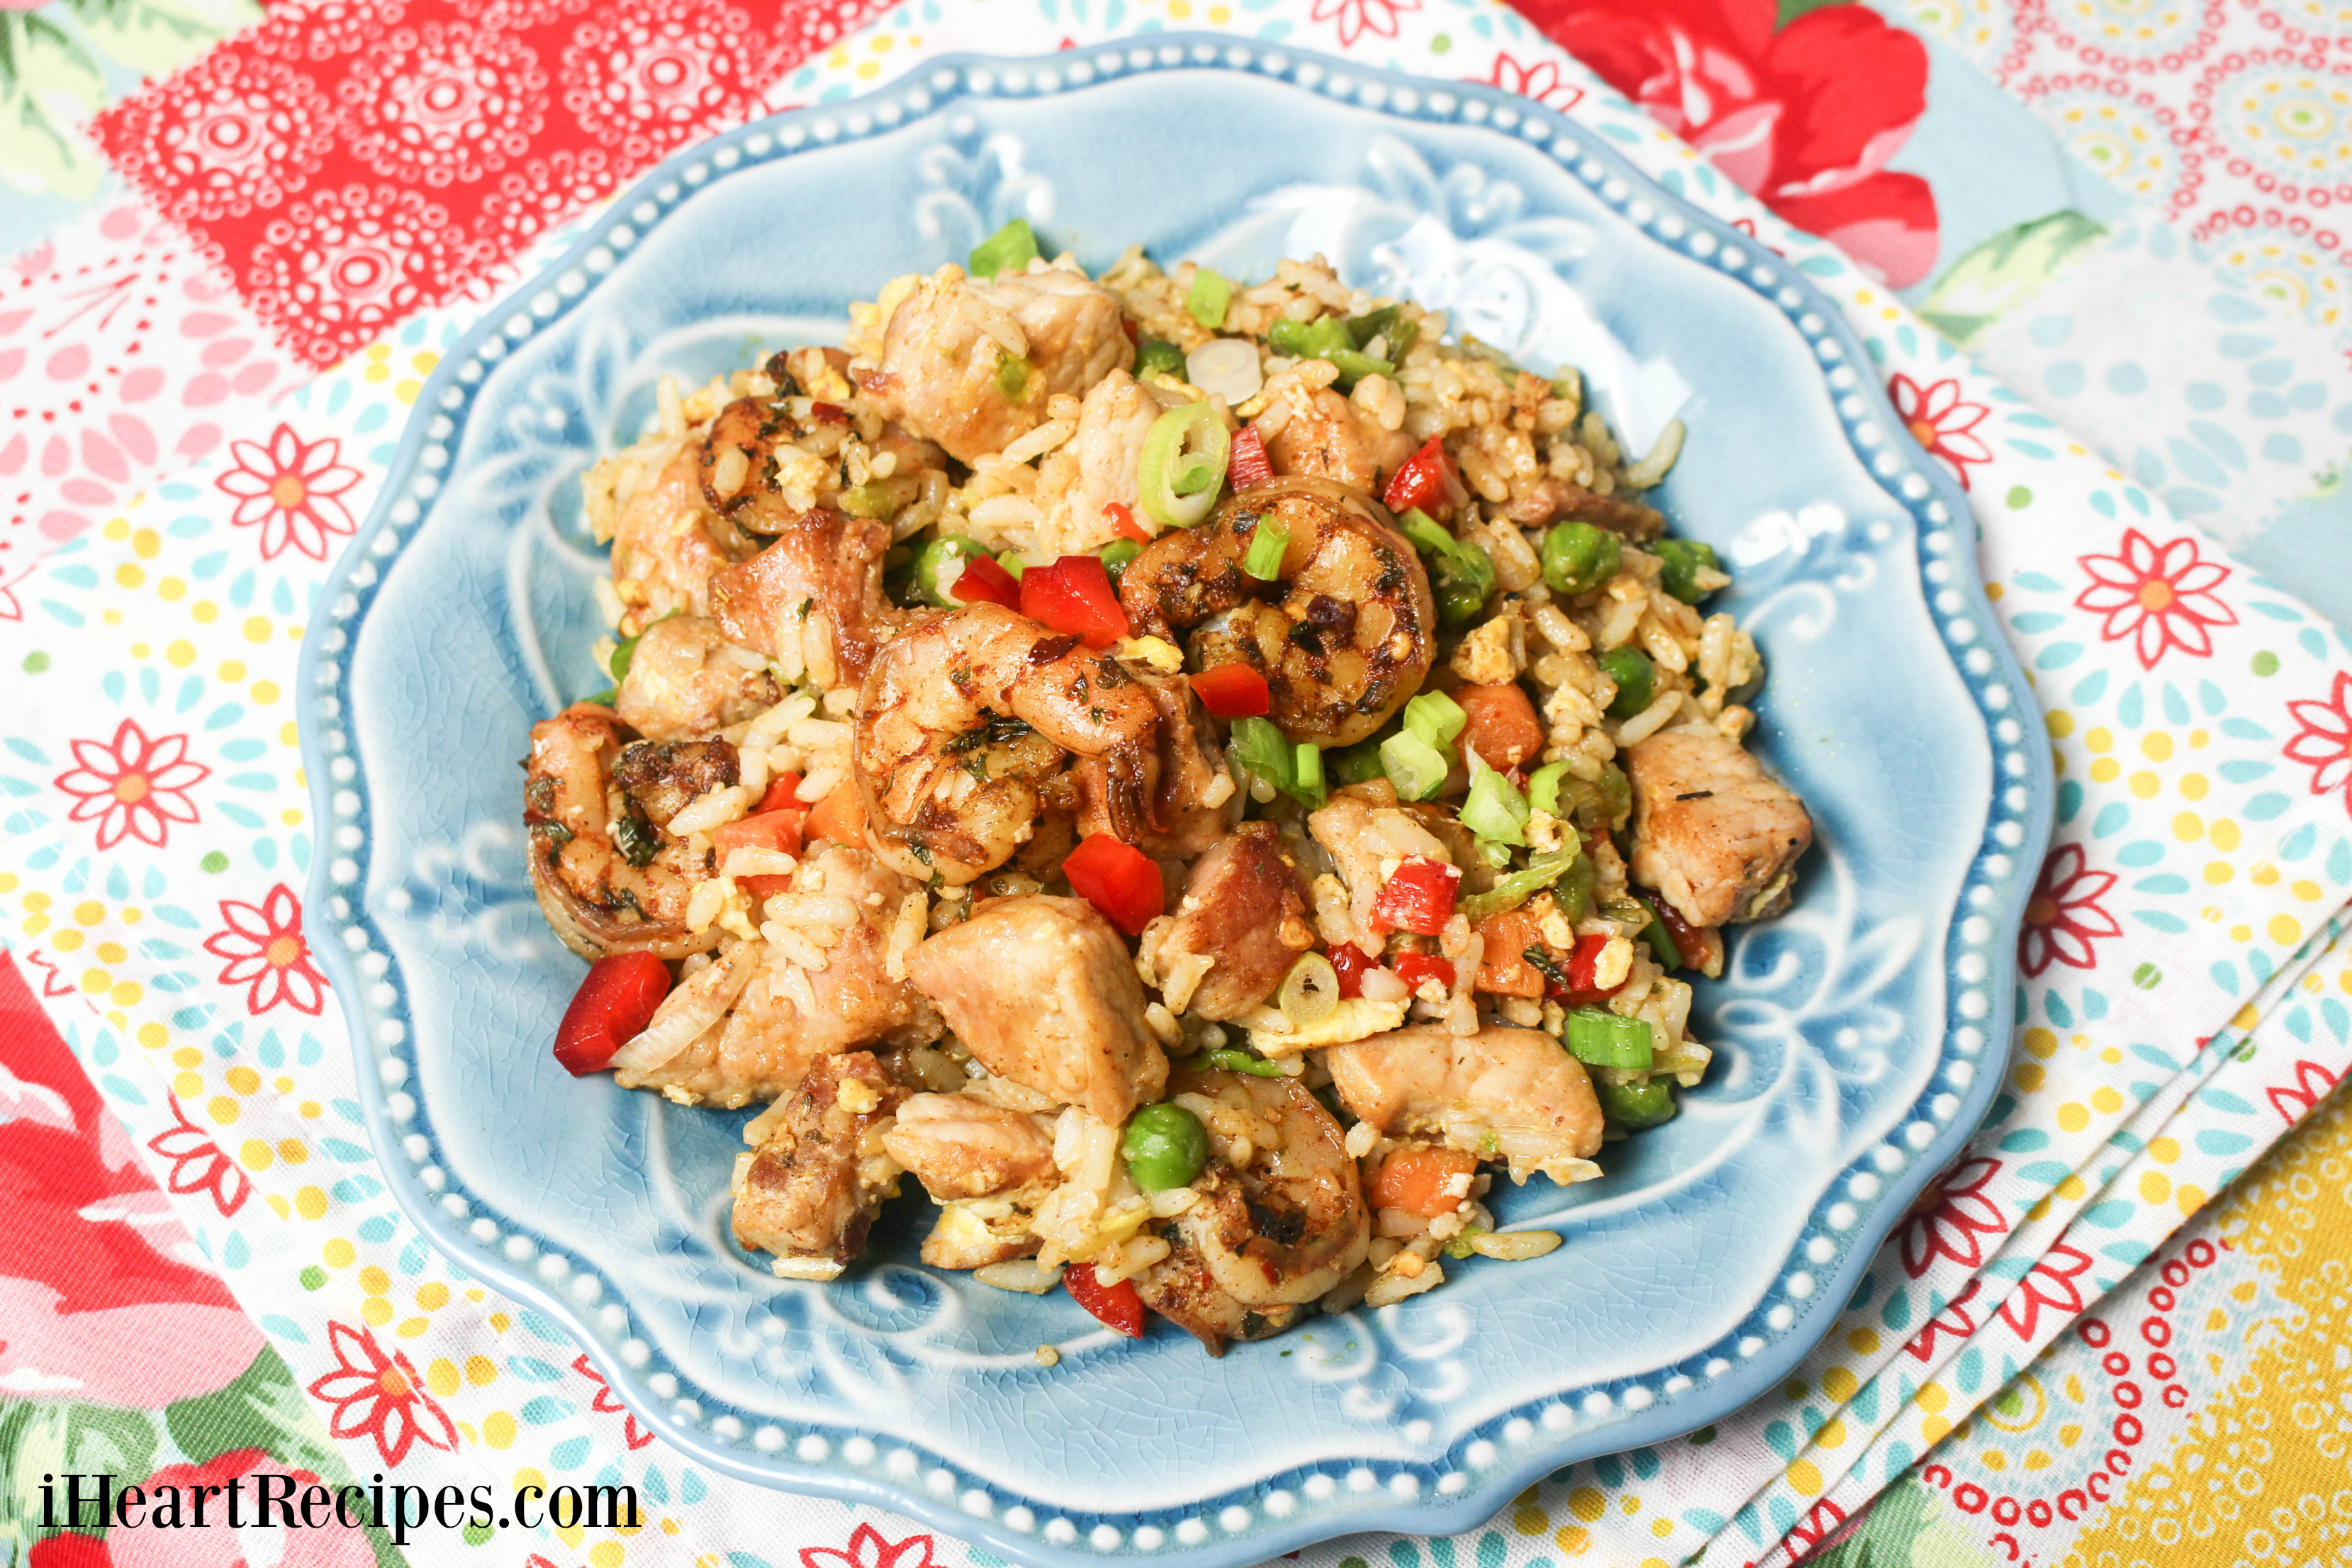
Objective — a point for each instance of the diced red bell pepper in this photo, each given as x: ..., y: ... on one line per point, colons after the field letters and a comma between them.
x: 1418, y: 898
x: 612, y: 1007
x: 1247, y: 464
x: 1118, y: 879
x: 1414, y: 968
x: 783, y: 795
x: 778, y: 830
x: 829, y: 413
x: 1118, y: 1308
x: 1232, y: 691
x: 1122, y: 518
x: 1348, y: 961
x: 1584, y: 989
x: 1426, y: 479
x: 1074, y: 595
x: 983, y: 581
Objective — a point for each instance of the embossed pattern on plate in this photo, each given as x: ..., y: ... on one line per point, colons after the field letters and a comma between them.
x: 1860, y: 1038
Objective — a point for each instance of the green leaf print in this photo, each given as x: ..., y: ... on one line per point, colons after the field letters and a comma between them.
x: 156, y: 36
x: 55, y: 1437
x: 49, y: 83
x: 2005, y: 271
x: 264, y: 1409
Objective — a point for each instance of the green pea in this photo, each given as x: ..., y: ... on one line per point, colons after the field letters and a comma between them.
x: 1634, y: 1107
x: 1158, y: 355
x: 1577, y: 557
x: 1165, y: 1146
x: 1116, y: 555
x: 1460, y: 579
x: 940, y: 566
x: 1636, y: 679
x: 1680, y: 561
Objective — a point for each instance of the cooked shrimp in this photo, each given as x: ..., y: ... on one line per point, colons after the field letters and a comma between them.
x: 608, y: 877
x: 685, y: 679
x: 1317, y: 432
x: 1343, y: 636
x: 1505, y: 1093
x: 966, y: 722
x: 1189, y: 794
x: 667, y: 542
x: 1281, y: 1217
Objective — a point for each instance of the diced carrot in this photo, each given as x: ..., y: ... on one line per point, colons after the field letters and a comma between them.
x: 1500, y: 723
x: 762, y: 830
x: 839, y: 816
x: 1503, y: 968
x: 1419, y: 1179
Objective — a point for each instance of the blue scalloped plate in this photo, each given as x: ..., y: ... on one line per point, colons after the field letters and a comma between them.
x: 1859, y: 1039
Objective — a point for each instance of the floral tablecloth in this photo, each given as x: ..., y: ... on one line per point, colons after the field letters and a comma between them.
x: 2095, y: 251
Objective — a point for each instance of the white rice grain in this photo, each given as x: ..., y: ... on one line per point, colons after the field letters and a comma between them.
x: 1662, y: 712
x: 712, y: 808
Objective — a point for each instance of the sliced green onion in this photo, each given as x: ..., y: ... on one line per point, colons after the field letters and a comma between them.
x: 1210, y: 296
x: 1307, y: 774
x: 1263, y: 750
x: 1662, y: 946
x: 1011, y: 377
x: 1013, y: 566
x: 881, y: 497
x: 1634, y: 1107
x: 1435, y: 717
x: 938, y: 567
x: 1182, y: 465
x: 1358, y: 763
x: 1427, y: 535
x: 1227, y: 367
x: 1309, y: 993
x: 1495, y: 809
x: 1543, y: 788
x: 1573, y: 891
x: 1516, y: 888
x: 1389, y: 322
x: 1599, y: 1039
x: 1617, y: 790
x: 1263, y: 560
x: 1009, y: 249
x: 1308, y: 340
x: 1414, y: 765
x: 1242, y: 1061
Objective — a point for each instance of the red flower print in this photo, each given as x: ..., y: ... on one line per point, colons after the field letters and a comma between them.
x: 2063, y: 918
x: 380, y: 1396
x: 265, y: 950
x: 1821, y: 1521
x: 2293, y: 1102
x: 1357, y: 17
x: 1540, y: 82
x: 868, y: 1549
x: 197, y: 1163
x: 2160, y: 598
x: 2049, y: 1283
x: 1952, y: 1219
x: 1954, y: 1321
x: 638, y: 1437
x: 133, y: 784
x: 1805, y: 116
x: 291, y: 490
x: 333, y: 1544
x: 1941, y: 422
x: 2325, y: 745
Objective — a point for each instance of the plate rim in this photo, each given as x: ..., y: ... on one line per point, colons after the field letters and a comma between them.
x: 928, y: 93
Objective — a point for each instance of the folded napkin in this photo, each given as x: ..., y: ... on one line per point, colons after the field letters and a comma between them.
x: 2201, y: 719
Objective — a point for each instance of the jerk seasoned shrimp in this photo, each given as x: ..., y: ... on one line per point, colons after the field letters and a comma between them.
x: 1343, y: 634
x: 965, y: 725
x: 609, y: 877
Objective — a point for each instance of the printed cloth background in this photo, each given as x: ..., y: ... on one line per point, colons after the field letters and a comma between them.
x: 2095, y: 251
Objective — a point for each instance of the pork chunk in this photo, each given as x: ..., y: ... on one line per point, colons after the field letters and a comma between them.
x: 961, y: 1146
x: 947, y: 346
x: 813, y: 599
x: 1244, y: 913
x: 1040, y: 990
x: 1512, y: 1092
x: 1716, y: 838
x: 788, y: 1016
x: 813, y: 1190
x: 685, y: 679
